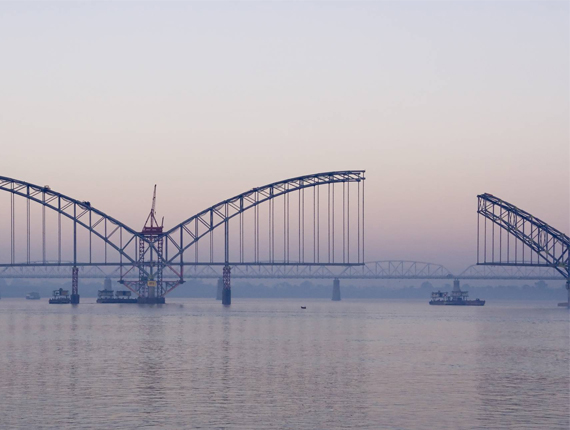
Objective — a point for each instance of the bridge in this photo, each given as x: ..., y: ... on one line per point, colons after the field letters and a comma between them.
x: 511, y: 243
x: 313, y: 220
x: 508, y: 236
x: 376, y: 270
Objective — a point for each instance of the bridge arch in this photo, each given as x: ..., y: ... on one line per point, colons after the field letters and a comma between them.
x: 149, y: 252
x: 188, y: 233
x: 397, y: 269
x: 82, y: 214
x: 500, y: 272
x: 528, y: 241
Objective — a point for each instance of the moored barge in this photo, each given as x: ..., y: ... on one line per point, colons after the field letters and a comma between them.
x: 60, y: 297
x: 457, y: 297
x: 106, y: 295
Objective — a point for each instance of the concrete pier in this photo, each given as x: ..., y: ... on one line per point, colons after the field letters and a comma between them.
x: 227, y: 290
x: 336, y: 290
x: 220, y: 288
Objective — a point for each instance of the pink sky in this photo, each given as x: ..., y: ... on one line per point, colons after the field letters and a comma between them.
x: 438, y: 101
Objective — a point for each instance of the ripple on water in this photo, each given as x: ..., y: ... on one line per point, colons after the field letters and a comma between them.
x: 267, y: 365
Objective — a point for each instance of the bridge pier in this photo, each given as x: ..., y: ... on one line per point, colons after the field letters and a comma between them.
x: 220, y: 289
x: 568, y: 289
x: 336, y: 290
x: 75, y: 286
x: 227, y: 289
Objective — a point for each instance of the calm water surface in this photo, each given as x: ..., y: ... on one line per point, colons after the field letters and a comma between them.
x: 267, y: 364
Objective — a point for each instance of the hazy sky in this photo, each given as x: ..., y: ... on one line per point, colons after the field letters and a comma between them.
x: 438, y: 101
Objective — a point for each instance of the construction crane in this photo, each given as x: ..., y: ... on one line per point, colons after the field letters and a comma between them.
x: 151, y: 226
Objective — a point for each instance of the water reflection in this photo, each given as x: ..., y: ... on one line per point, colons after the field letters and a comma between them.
x: 520, y: 383
x: 268, y: 364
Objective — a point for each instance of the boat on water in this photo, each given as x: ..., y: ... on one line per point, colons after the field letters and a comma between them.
x: 107, y: 295
x: 60, y: 297
x: 33, y: 296
x: 456, y: 298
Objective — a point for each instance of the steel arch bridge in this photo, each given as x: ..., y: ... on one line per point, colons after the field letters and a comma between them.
x: 510, y: 236
x: 309, y: 220
x: 521, y: 273
x: 386, y: 269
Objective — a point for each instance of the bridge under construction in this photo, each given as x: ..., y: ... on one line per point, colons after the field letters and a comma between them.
x: 308, y: 227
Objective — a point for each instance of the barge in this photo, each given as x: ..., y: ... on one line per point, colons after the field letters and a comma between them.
x: 107, y: 295
x: 60, y: 297
x: 456, y: 298
x: 33, y: 296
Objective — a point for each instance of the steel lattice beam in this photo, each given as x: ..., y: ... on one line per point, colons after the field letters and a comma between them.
x: 511, y: 272
x: 390, y: 269
x: 148, y: 255
x: 111, y: 231
x: 528, y: 241
x: 186, y: 234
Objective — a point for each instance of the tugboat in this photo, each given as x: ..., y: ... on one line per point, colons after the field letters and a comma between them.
x: 33, y: 296
x: 457, y: 298
x: 60, y: 297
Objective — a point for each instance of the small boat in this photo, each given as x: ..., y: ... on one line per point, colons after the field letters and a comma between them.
x: 33, y: 296
x: 303, y: 307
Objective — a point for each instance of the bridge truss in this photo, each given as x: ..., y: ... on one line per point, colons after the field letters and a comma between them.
x: 387, y: 269
x: 510, y: 236
x: 308, y: 221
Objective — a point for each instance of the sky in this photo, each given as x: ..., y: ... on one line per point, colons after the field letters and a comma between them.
x: 437, y: 101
